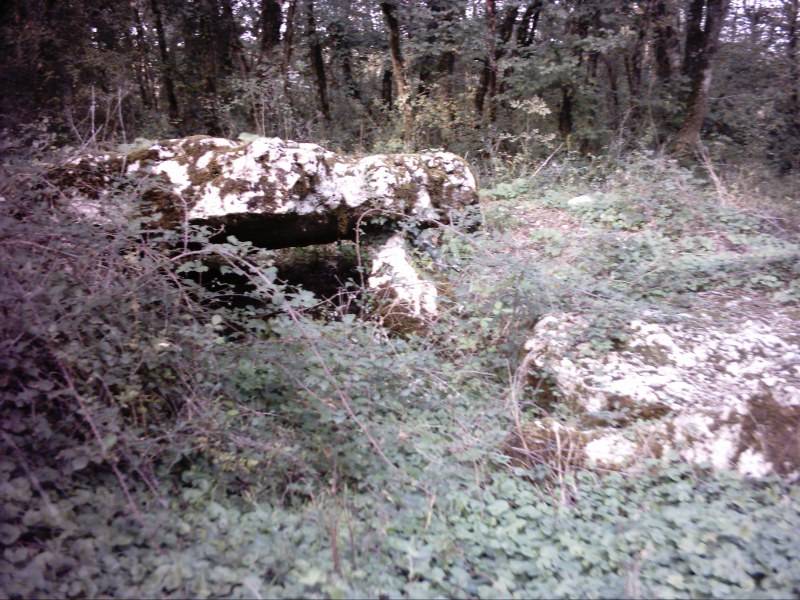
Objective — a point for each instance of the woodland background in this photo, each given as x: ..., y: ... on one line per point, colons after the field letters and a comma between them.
x: 266, y: 436
x: 493, y: 80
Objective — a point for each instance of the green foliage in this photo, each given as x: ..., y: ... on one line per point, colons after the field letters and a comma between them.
x: 178, y: 420
x: 671, y: 533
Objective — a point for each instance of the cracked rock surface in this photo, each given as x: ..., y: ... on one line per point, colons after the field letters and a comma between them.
x: 719, y: 386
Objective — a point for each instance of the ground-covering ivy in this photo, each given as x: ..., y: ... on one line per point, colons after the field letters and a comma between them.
x: 669, y: 532
x: 213, y: 455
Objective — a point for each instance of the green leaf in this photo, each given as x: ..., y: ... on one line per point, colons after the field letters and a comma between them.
x: 9, y: 533
x: 311, y: 577
x: 109, y: 442
x: 498, y: 507
x: 80, y: 462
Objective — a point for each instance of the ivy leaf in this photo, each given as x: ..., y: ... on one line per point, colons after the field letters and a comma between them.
x: 498, y: 507
x: 9, y: 534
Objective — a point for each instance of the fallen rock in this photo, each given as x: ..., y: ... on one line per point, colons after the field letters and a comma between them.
x: 715, y: 387
x: 278, y: 194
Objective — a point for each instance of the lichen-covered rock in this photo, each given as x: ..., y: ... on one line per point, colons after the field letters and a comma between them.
x: 407, y: 299
x: 715, y: 387
x: 279, y: 194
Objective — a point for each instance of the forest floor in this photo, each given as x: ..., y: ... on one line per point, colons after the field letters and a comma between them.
x: 435, y: 505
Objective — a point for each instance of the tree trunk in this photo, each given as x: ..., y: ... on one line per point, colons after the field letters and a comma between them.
x: 488, y: 82
x: 488, y: 85
x: 389, y: 11
x: 288, y: 49
x: 340, y: 41
x: 633, y: 69
x: 794, y: 59
x: 166, y: 64
x: 693, y: 46
x: 565, y: 120
x: 526, y: 30
x: 142, y: 71
x: 386, y: 89
x: 665, y: 39
x: 317, y: 61
x: 288, y: 36
x: 233, y: 50
x: 700, y: 64
x: 271, y: 21
x: 613, y: 93
x: 207, y: 44
x: 434, y: 69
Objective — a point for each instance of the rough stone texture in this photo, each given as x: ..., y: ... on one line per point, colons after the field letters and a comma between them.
x: 716, y: 387
x: 278, y: 193
x: 403, y: 291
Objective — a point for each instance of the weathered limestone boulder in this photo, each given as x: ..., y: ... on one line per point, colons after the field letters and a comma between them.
x: 278, y: 194
x: 719, y: 388
x: 405, y: 296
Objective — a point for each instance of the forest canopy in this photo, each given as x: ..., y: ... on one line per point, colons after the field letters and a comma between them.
x: 492, y: 79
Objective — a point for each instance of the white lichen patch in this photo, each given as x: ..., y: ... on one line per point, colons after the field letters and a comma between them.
x: 176, y: 172
x: 719, y: 389
x: 610, y: 450
x: 205, y: 159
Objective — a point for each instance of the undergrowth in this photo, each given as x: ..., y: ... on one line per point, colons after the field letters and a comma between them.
x: 162, y: 440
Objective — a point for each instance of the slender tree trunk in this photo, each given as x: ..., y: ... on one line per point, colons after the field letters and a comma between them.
x: 565, y: 119
x: 793, y: 58
x: 665, y: 39
x: 433, y: 68
x: 210, y: 47
x: 317, y: 61
x: 446, y: 65
x: 234, y: 50
x: 386, y: 89
x: 142, y: 71
x: 288, y: 49
x: 700, y: 76
x: 288, y: 36
x: 523, y: 36
x: 613, y: 93
x: 785, y: 146
x: 339, y: 37
x: 166, y: 64
x: 633, y: 69
x: 489, y: 82
x: 271, y: 21
x: 489, y: 76
x: 389, y: 11
x: 693, y: 46
x: 526, y: 30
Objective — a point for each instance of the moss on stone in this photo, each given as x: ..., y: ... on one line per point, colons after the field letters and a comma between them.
x: 143, y: 155
x: 773, y: 429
